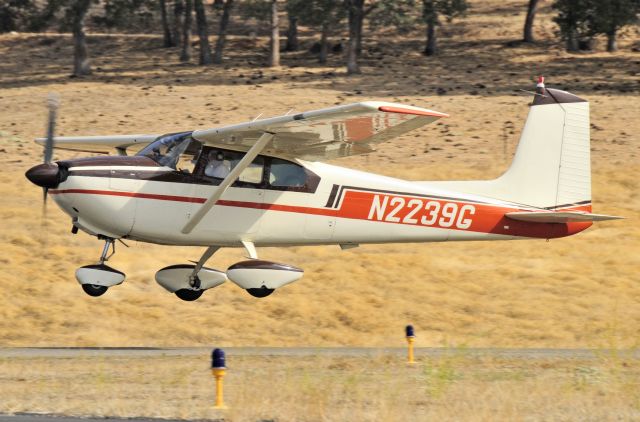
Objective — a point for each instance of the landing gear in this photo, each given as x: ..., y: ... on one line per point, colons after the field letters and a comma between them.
x: 96, y: 279
x: 260, y: 292
x: 189, y: 295
x: 94, y: 289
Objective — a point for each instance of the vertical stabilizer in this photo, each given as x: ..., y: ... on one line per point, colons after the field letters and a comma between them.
x: 551, y: 167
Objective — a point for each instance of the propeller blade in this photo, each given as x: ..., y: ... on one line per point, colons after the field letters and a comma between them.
x: 53, y: 102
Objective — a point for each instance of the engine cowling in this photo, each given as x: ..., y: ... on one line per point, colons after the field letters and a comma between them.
x: 176, y: 277
x: 259, y: 274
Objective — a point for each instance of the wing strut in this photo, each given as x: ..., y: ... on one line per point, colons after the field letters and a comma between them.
x: 228, y: 181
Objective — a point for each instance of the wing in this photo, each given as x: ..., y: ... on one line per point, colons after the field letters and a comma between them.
x: 100, y: 144
x: 324, y: 134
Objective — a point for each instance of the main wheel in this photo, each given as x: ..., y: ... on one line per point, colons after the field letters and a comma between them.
x: 188, y: 294
x: 94, y: 289
x: 260, y: 292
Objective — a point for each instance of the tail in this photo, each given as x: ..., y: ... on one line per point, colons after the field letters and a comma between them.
x: 552, y: 164
x: 551, y: 168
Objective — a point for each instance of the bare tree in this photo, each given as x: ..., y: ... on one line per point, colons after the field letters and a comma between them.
x: 222, y: 31
x: 167, y: 38
x: 185, y: 54
x: 78, y: 12
x: 274, y: 56
x: 528, y: 22
x: 203, y: 34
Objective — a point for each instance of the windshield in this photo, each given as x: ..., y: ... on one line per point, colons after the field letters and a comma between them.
x: 166, y: 150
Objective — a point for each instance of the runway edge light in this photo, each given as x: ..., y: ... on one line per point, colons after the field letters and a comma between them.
x: 218, y: 369
x: 410, y: 335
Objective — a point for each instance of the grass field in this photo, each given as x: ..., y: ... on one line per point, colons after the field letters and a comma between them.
x: 455, y: 386
x: 582, y: 291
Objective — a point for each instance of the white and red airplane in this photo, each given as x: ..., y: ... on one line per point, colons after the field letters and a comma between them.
x: 260, y: 184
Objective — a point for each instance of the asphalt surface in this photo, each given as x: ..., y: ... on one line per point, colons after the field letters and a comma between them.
x: 70, y: 352
x: 30, y: 417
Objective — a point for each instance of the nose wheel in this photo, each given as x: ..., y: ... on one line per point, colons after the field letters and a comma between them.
x: 96, y: 279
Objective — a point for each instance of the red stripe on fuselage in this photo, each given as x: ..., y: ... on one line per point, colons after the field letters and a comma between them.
x: 357, y: 205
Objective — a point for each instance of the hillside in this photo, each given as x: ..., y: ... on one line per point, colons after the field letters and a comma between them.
x: 582, y: 291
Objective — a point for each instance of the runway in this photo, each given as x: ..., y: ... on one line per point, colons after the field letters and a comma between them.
x: 504, y: 353
x: 29, y: 417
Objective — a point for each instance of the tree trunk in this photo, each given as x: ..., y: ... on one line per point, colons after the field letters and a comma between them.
x: 324, y: 43
x: 203, y: 33
x: 178, y: 10
x: 528, y: 22
x: 431, y: 49
x: 612, y: 44
x: 292, y: 35
x: 274, y: 57
x: 222, y: 32
x: 167, y: 39
x: 355, y: 28
x: 185, y: 54
x: 80, y: 56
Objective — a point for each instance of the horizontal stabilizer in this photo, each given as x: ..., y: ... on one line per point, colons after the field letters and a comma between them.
x: 559, y: 217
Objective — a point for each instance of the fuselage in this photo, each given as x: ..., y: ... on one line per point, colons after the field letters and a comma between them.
x: 137, y: 198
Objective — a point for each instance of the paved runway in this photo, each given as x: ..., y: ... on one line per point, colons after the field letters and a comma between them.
x: 68, y: 352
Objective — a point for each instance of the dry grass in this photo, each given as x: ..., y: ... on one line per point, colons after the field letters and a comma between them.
x: 456, y: 386
x: 576, y: 292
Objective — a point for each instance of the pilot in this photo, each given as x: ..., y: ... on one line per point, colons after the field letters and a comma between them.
x: 217, y: 166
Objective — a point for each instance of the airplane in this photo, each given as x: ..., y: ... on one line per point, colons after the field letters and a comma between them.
x: 263, y: 183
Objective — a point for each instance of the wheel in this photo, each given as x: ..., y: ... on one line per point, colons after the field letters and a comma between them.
x: 94, y: 289
x: 188, y: 294
x: 261, y: 292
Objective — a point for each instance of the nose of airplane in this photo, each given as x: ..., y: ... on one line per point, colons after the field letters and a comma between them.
x: 45, y: 175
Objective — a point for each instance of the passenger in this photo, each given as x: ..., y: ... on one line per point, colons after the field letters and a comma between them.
x: 217, y: 167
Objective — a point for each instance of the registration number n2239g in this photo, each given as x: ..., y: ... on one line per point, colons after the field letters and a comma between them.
x: 425, y: 212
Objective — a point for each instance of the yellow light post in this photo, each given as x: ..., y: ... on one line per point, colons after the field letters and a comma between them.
x: 410, y: 339
x: 218, y: 369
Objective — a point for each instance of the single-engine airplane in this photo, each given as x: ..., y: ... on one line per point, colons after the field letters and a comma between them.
x: 261, y: 183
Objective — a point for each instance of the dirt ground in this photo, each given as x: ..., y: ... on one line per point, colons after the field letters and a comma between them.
x: 582, y: 291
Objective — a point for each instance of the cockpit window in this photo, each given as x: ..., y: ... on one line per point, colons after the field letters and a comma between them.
x: 167, y: 149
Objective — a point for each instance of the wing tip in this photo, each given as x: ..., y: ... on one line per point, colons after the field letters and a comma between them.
x: 415, y: 111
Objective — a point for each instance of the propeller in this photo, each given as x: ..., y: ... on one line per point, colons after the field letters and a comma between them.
x: 53, y: 101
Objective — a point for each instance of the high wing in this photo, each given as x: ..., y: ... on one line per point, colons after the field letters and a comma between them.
x: 100, y: 144
x: 324, y: 134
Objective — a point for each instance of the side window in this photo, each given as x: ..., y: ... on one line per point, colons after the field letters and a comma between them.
x: 215, y: 164
x: 285, y: 174
x: 253, y: 173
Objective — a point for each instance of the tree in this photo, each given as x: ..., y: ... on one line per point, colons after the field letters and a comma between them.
x: 78, y: 11
x: 185, y: 54
x: 431, y: 12
x: 222, y: 31
x: 274, y: 38
x: 609, y: 16
x: 16, y: 14
x: 528, y: 22
x: 167, y: 39
x: 178, y: 18
x: 203, y: 33
x: 355, y: 12
x: 323, y: 14
x: 292, y: 30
